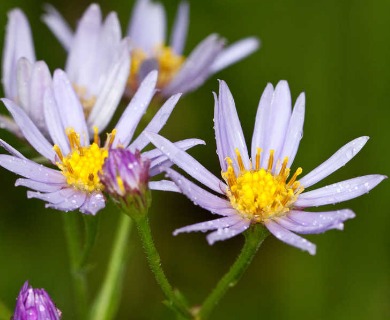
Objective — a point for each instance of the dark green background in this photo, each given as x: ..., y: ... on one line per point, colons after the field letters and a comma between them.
x: 338, y: 52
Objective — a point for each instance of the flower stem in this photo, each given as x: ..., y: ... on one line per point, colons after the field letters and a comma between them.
x: 254, y: 237
x: 174, y: 301
x: 72, y: 235
x: 107, y: 301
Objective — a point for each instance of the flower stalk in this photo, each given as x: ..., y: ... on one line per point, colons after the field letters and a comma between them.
x: 254, y: 237
x: 107, y: 301
x: 173, y: 298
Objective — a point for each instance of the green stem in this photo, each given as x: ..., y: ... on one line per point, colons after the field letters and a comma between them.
x: 107, y: 301
x: 72, y: 235
x: 174, y: 301
x: 254, y: 237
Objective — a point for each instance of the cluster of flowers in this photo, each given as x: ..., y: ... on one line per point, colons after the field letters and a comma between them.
x: 63, y: 115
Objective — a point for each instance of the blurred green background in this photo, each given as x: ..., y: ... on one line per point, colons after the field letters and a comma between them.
x: 338, y: 52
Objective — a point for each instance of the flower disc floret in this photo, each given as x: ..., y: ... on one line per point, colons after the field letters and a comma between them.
x: 259, y: 194
x: 82, y: 165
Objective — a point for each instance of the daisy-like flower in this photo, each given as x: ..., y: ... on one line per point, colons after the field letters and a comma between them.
x: 35, y: 304
x: 75, y: 183
x: 261, y: 188
x: 151, y: 51
x: 97, y: 65
x: 24, y: 79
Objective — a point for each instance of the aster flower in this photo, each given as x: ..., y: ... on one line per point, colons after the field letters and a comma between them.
x: 97, y: 64
x: 24, y: 79
x: 35, y: 304
x: 261, y: 188
x: 75, y: 183
x: 150, y: 51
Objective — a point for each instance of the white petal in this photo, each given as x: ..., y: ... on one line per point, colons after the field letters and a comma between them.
x: 54, y: 123
x: 84, y: 45
x: 335, y: 162
x: 235, y: 52
x: 38, y: 186
x: 17, y: 44
x: 290, y: 238
x: 338, y: 192
x: 111, y: 92
x: 69, y: 106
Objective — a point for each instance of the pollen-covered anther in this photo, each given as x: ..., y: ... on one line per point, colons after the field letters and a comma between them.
x: 82, y: 164
x: 261, y: 193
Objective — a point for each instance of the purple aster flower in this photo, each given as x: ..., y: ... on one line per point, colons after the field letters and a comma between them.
x: 24, y: 79
x: 150, y: 51
x: 35, y: 304
x: 125, y: 176
x: 75, y: 183
x: 261, y: 188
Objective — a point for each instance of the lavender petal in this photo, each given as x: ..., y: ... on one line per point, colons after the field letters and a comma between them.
x: 29, y: 130
x: 163, y: 185
x: 58, y: 26
x: 186, y: 162
x: 180, y: 28
x: 234, y: 53
x: 335, y: 162
x: 215, y: 224
x: 39, y: 186
x: 290, y: 238
x: 135, y: 110
x: 338, y: 192
x: 93, y: 203
x: 227, y: 233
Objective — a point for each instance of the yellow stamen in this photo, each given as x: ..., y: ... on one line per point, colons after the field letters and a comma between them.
x: 96, y: 137
x: 169, y: 63
x: 82, y: 165
x: 258, y: 151
x: 259, y: 194
x: 270, y: 160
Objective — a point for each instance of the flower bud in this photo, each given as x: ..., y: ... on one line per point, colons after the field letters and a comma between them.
x: 125, y: 176
x: 35, y: 304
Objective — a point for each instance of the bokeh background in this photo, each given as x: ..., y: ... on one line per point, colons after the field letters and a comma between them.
x: 338, y: 52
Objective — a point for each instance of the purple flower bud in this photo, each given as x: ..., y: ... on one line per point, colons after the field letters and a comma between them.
x: 125, y: 176
x: 35, y: 304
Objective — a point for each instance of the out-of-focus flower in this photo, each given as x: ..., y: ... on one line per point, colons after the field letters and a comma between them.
x: 24, y: 79
x: 98, y: 63
x: 261, y: 189
x: 76, y: 185
x: 151, y: 51
x: 35, y: 304
x: 98, y: 67
x: 125, y: 176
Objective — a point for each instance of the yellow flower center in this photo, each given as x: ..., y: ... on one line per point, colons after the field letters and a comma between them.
x: 258, y: 194
x: 169, y: 63
x: 82, y: 165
